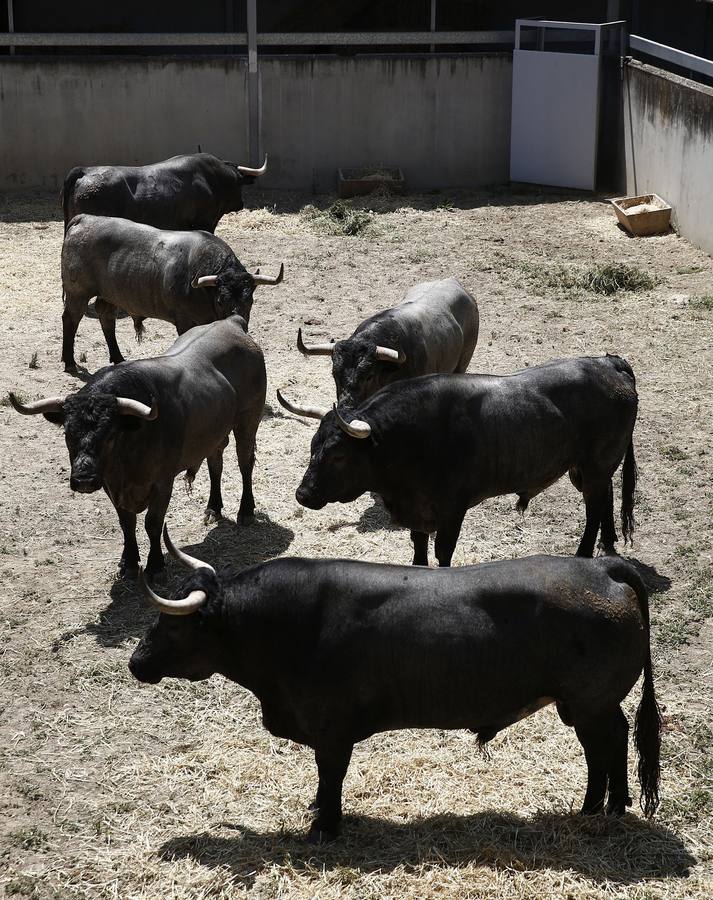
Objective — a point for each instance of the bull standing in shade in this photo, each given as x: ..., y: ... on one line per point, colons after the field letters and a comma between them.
x: 434, y: 329
x: 433, y: 447
x: 186, y: 278
x: 133, y: 428
x: 182, y: 193
x: 337, y: 650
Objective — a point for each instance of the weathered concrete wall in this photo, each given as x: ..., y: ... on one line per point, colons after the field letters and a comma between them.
x: 59, y: 113
x: 445, y: 120
x: 668, y: 134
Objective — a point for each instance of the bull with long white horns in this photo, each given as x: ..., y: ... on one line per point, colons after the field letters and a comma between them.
x: 132, y: 429
x: 186, y: 278
x: 434, y: 329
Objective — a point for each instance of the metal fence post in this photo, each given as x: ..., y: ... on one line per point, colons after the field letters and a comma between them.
x: 253, y: 85
x: 11, y: 22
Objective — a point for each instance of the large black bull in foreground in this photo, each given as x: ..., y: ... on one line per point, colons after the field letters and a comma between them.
x: 133, y: 428
x: 433, y: 447
x: 434, y: 329
x: 180, y: 193
x: 336, y: 651
x: 186, y: 278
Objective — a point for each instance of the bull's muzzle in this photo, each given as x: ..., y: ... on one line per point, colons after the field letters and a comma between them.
x: 306, y: 498
x: 85, y: 484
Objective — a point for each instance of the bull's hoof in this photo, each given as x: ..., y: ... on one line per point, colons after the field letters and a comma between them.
x: 71, y: 369
x: 129, y: 571
x: 318, y: 836
x: 155, y: 570
x: 618, y: 807
x: 212, y: 516
x: 245, y: 518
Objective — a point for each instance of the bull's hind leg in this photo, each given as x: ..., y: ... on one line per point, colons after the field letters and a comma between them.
x: 332, y: 764
x: 107, y: 320
x: 245, y: 433
x: 75, y: 306
x: 593, y: 739
x: 608, y: 537
x: 595, y: 504
x: 420, y: 548
x: 619, y: 797
x: 214, y: 510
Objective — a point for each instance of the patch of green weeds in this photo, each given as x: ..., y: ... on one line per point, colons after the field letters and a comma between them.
x: 33, y: 363
x: 702, y: 303
x: 610, y: 278
x: 341, y: 218
x: 674, y: 453
x: 32, y: 838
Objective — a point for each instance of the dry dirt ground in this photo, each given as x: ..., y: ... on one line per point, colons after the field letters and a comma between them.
x: 112, y: 789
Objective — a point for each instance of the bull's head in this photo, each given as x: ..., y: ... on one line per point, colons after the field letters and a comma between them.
x: 234, y: 289
x: 92, y: 422
x: 359, y: 366
x: 240, y: 175
x: 339, y: 468
x: 181, y: 643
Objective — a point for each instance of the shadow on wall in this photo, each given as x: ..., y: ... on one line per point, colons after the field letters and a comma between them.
x: 602, y: 849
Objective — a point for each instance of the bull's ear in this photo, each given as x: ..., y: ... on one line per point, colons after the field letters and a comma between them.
x: 56, y: 418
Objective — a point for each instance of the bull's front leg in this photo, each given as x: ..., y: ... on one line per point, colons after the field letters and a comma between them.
x: 419, y: 540
x: 332, y: 764
x: 447, y: 538
x: 153, y: 523
x: 214, y: 510
x: 129, y: 562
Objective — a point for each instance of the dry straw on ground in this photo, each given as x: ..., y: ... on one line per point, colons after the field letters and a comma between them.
x: 110, y: 789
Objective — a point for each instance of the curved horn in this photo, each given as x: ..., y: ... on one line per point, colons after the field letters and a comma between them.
x: 129, y: 407
x: 387, y: 355
x: 269, y: 279
x: 50, y: 404
x: 183, y: 607
x: 246, y: 170
x: 356, y: 428
x: 313, y: 349
x: 190, y: 562
x: 310, y: 412
x: 204, y: 281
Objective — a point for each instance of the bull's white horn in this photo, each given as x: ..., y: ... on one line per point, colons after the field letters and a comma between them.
x: 246, y: 170
x: 183, y: 607
x: 128, y: 407
x: 356, y: 428
x: 310, y: 412
x: 269, y: 279
x: 49, y: 404
x: 313, y: 349
x: 387, y: 355
x: 204, y: 281
x: 190, y: 562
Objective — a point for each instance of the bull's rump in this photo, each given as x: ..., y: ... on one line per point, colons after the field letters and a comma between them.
x: 474, y: 647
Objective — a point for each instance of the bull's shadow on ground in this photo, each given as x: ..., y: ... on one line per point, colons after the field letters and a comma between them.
x: 226, y: 547
x: 599, y: 848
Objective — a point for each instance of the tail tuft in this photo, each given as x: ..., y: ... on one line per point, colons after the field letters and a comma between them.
x: 629, y: 477
x: 139, y: 329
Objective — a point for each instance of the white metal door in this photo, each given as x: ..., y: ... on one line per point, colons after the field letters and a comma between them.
x: 555, y: 109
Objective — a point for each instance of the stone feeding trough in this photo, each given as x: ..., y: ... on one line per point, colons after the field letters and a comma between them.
x: 361, y: 181
x: 642, y: 215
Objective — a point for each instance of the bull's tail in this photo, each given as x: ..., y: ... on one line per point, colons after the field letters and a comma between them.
x: 629, y: 475
x: 139, y: 329
x: 72, y: 177
x: 647, y: 726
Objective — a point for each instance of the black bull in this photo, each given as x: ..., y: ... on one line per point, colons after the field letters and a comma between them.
x: 434, y: 447
x: 337, y: 650
x: 434, y: 329
x: 186, y: 278
x: 181, y: 193
x: 133, y: 428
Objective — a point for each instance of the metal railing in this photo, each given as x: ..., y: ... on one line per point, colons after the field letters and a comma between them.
x: 671, y: 55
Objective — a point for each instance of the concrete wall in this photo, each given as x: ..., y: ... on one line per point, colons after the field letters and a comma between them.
x: 668, y: 135
x: 444, y: 120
